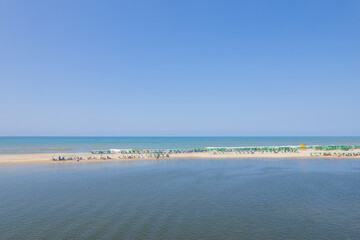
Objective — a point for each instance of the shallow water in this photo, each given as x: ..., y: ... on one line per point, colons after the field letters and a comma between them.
x: 182, y: 199
x: 17, y: 145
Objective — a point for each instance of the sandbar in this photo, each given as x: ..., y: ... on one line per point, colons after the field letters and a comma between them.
x: 88, y: 157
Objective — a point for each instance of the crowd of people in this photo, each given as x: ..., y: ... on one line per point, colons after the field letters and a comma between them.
x: 63, y: 158
x: 107, y: 157
x: 334, y: 154
x: 347, y: 151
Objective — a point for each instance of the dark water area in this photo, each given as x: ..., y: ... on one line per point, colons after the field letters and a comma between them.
x: 182, y: 199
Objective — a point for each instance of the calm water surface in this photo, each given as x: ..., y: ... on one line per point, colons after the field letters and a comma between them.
x: 182, y: 199
x: 16, y: 145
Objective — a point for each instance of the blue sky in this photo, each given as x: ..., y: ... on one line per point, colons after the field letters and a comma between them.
x: 179, y: 68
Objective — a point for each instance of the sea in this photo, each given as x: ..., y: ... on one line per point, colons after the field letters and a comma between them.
x: 23, y: 145
x: 178, y: 199
x: 182, y: 199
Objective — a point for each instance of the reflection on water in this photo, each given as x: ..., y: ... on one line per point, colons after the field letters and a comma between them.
x: 182, y: 199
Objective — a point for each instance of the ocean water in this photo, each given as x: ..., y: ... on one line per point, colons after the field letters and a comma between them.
x: 182, y: 199
x: 16, y: 145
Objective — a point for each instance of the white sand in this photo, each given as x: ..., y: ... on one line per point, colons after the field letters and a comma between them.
x: 48, y: 157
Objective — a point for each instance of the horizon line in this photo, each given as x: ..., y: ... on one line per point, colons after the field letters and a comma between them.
x: 185, y: 136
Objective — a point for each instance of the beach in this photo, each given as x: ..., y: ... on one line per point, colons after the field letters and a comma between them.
x: 88, y: 157
x: 32, y: 150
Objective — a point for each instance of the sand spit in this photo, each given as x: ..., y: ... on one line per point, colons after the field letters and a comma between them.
x: 88, y: 157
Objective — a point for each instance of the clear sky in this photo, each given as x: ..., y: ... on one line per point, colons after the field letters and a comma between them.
x: 179, y: 68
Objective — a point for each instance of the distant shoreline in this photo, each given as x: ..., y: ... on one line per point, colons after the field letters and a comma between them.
x: 35, y: 145
x: 84, y: 157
